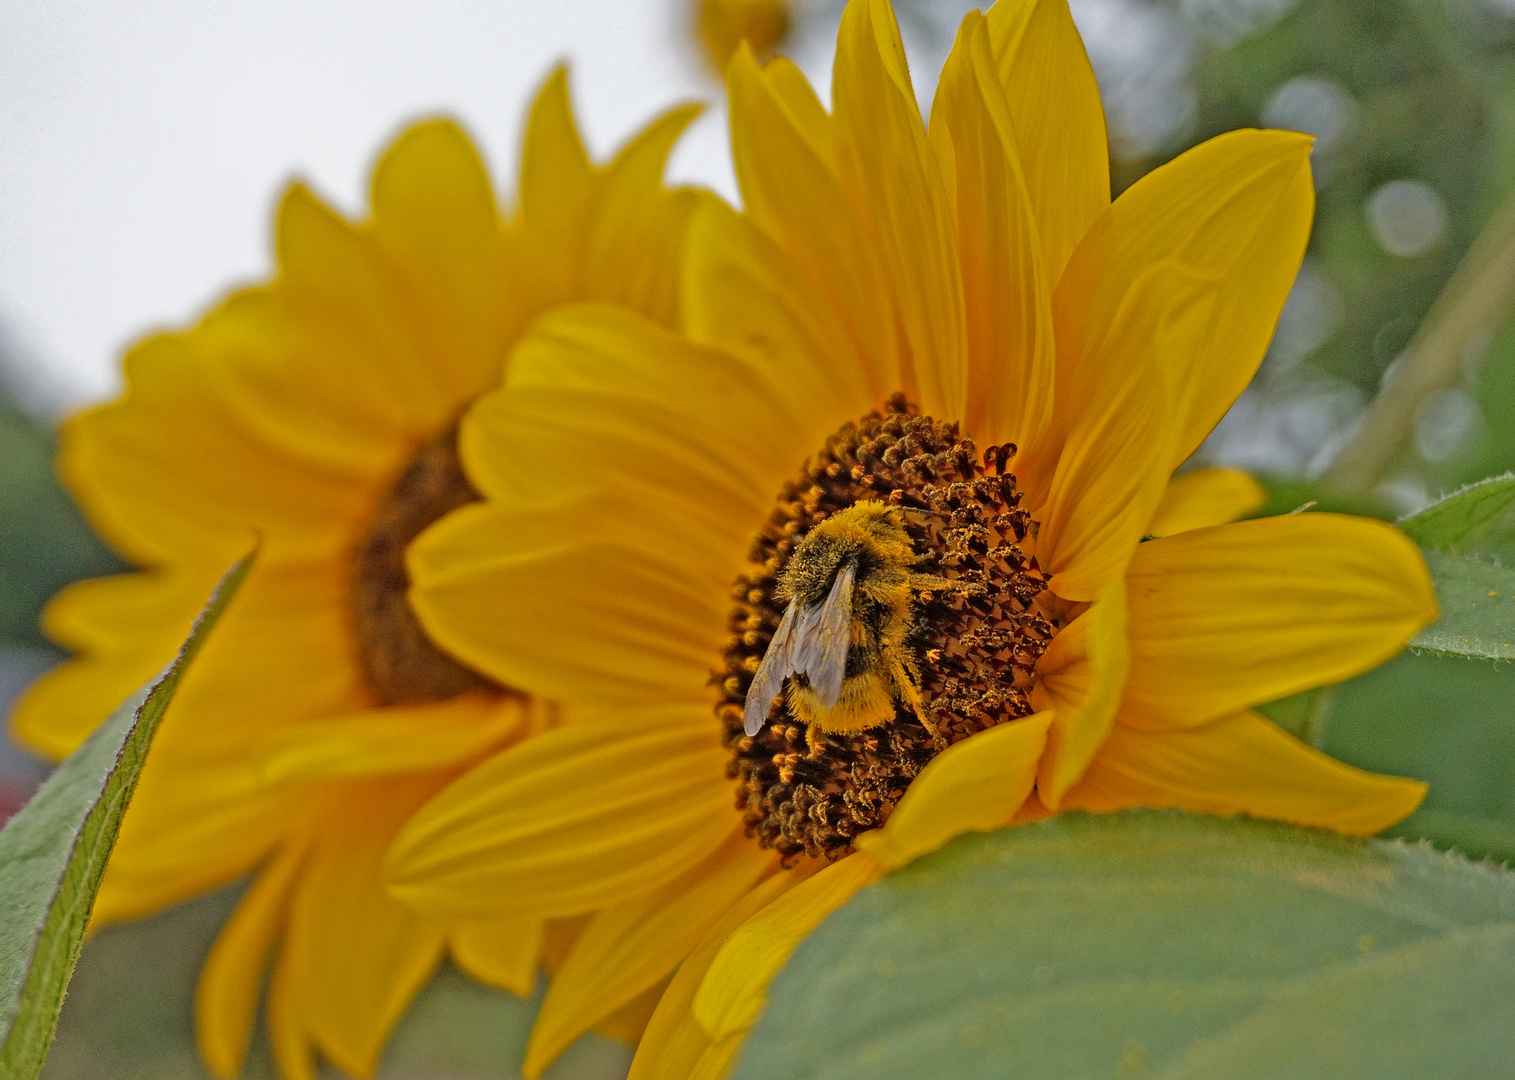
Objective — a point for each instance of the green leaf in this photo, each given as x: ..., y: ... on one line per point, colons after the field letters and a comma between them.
x: 1472, y: 834
x: 1449, y: 721
x: 1477, y: 609
x: 1463, y: 517
x: 53, y: 854
x: 1158, y: 945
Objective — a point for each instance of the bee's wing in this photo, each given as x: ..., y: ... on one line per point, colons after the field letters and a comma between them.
x: 821, y: 643
x: 776, y: 667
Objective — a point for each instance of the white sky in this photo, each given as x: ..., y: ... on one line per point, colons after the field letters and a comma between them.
x: 143, y: 142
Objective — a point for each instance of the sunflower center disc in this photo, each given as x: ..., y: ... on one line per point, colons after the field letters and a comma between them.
x: 400, y: 664
x: 808, y: 792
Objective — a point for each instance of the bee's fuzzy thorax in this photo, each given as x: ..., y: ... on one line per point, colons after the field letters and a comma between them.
x: 869, y: 532
x: 945, y: 627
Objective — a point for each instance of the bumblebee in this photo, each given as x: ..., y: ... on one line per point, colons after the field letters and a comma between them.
x: 842, y: 642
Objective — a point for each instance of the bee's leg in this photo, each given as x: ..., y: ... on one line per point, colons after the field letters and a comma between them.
x: 912, y: 696
x: 932, y: 583
x: 815, y: 739
x: 920, y: 714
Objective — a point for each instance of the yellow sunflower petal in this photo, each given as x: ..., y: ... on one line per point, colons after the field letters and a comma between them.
x: 1241, y: 764
x: 1237, y: 210
x: 347, y: 325
x: 1011, y: 365
x: 291, y: 1044
x: 1205, y: 497
x: 294, y: 620
x: 888, y: 167
x: 357, y: 957
x: 126, y: 626
x: 627, y: 1023
x: 59, y: 710
x: 201, y: 815
x: 792, y: 194
x: 604, y: 604
x: 351, y: 417
x: 1115, y: 456
x: 434, y: 209
x: 734, y: 989
x: 612, y: 233
x: 557, y: 182
x: 793, y: 91
x: 635, y: 245
x: 572, y: 820
x: 553, y: 159
x: 1230, y: 616
x: 741, y: 297
x: 599, y: 398
x: 157, y: 504
x: 339, y: 272
x: 972, y: 786
x: 632, y: 946
x: 1081, y: 677
x: 502, y: 951
x: 1057, y: 116
x: 181, y: 839
x: 671, y: 1047
x: 378, y: 741
x: 718, y: 1058
x: 231, y: 980
x: 674, y: 1042
x: 115, y: 613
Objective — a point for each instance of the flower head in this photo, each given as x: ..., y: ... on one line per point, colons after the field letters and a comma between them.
x: 884, y: 546
x: 320, y: 411
x: 720, y: 26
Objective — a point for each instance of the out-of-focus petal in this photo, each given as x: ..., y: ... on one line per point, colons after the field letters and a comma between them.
x: 572, y: 820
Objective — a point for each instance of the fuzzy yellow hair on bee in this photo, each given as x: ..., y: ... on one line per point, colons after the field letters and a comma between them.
x: 841, y: 643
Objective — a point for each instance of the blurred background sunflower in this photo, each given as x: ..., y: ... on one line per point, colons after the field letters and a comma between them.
x: 143, y: 145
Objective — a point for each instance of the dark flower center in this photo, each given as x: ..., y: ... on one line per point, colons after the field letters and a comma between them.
x: 973, y: 647
x: 399, y: 662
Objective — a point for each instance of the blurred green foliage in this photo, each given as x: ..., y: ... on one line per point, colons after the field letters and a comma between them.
x: 1421, y: 104
x: 44, y: 540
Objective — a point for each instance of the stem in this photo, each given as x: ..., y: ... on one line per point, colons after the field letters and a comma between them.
x: 1314, y: 729
x: 1475, y: 300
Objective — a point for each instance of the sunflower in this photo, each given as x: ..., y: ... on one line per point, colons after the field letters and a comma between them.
x: 320, y: 411
x: 932, y: 385
x: 719, y: 26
